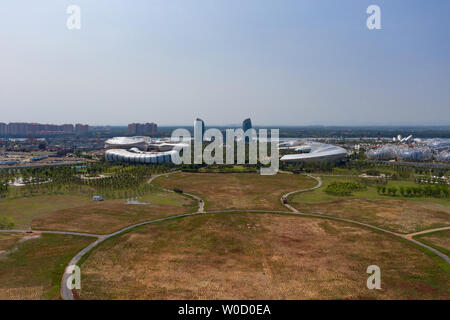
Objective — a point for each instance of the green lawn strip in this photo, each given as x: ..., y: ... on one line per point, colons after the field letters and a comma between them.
x: 319, y: 195
x: 40, y: 262
x: 429, y: 243
x: 24, y: 210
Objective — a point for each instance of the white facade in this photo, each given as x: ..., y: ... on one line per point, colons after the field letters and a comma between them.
x: 139, y: 157
x: 317, y: 152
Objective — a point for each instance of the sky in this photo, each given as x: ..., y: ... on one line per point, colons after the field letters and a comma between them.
x: 280, y: 62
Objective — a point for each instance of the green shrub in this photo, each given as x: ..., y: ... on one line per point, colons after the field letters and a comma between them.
x: 6, y: 223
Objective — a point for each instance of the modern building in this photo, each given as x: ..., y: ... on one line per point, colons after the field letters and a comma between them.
x: 315, y: 151
x: 134, y: 155
x: 128, y: 143
x: 142, y: 129
x: 199, y: 123
x: 81, y: 128
x: 134, y: 150
x: 247, y: 124
x: 3, y: 129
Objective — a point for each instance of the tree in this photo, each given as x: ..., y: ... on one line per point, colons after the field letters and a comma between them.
x: 394, y: 191
x: 6, y: 223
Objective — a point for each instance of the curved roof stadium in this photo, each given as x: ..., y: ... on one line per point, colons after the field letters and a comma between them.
x: 128, y: 142
x: 318, y: 152
x: 134, y: 155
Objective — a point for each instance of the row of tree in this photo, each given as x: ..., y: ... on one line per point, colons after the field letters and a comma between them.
x: 436, y: 191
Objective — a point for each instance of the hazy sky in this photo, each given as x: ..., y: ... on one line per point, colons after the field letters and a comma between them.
x: 291, y: 62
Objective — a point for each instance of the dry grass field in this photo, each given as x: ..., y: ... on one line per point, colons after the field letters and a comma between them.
x: 24, y: 210
x: 396, y: 215
x: 237, y: 190
x: 259, y: 256
x: 109, y: 216
x: 31, y: 265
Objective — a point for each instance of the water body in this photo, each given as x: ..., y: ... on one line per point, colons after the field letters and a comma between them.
x: 136, y: 202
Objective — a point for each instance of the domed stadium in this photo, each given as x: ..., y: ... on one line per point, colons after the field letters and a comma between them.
x: 315, y: 151
x: 141, y: 143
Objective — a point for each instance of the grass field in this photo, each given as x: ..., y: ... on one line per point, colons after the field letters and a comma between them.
x: 81, y: 214
x: 32, y: 269
x: 439, y: 240
x: 24, y: 210
x: 259, y: 256
x: 109, y: 216
x: 237, y: 191
x: 395, y: 213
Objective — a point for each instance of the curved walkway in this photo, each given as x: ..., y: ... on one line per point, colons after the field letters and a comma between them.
x: 80, y: 234
x: 67, y: 294
x: 201, y: 204
x: 408, y: 237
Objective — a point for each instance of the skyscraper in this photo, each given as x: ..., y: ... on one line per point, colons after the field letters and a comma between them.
x: 203, y: 125
x: 142, y: 129
x: 247, y: 124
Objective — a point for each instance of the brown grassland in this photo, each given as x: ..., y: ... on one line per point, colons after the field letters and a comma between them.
x: 397, y: 215
x: 222, y: 191
x: 32, y: 269
x: 109, y: 216
x: 259, y: 256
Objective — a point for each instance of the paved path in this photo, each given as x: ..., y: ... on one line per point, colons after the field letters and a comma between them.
x: 401, y: 235
x: 410, y: 235
x: 285, y: 197
x: 66, y: 293
x: 81, y: 234
x: 200, y: 201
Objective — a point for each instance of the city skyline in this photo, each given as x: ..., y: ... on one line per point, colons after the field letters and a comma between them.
x: 289, y: 63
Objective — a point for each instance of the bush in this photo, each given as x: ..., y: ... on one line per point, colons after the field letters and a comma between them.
x: 6, y: 223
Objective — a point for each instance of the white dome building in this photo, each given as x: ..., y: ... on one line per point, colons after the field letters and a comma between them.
x: 315, y: 151
x: 128, y: 142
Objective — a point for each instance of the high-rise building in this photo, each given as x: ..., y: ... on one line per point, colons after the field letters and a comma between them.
x: 247, y: 124
x: 81, y: 128
x: 202, y: 125
x: 67, y: 128
x: 3, y: 129
x: 142, y: 129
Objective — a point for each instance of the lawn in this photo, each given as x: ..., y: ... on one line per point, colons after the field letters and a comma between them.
x: 82, y: 214
x: 237, y: 191
x: 32, y: 269
x: 108, y: 216
x: 397, y: 213
x: 24, y: 210
x: 259, y: 256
